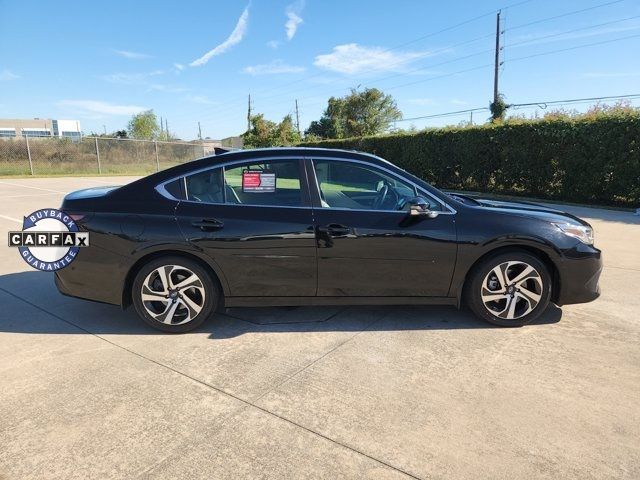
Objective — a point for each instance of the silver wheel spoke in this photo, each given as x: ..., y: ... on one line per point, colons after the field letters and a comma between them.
x: 524, y: 274
x: 529, y: 296
x: 169, y: 312
x: 193, y: 280
x: 512, y: 308
x: 499, y: 273
x: 165, y: 276
x: 154, y: 297
x: 494, y: 297
x: 192, y: 306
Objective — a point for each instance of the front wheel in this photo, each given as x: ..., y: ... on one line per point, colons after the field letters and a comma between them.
x: 509, y: 289
x: 174, y: 294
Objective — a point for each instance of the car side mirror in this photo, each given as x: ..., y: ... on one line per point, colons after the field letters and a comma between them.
x: 418, y: 207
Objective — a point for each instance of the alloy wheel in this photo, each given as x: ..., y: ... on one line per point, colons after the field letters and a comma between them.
x: 511, y: 290
x: 173, y: 294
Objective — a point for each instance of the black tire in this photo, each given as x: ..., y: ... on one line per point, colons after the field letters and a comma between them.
x: 204, y: 294
x: 526, y: 308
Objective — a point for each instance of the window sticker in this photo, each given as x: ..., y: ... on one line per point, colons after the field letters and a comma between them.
x: 258, y: 181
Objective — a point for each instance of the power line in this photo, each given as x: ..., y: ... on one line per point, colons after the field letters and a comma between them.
x: 566, y: 32
x: 575, y: 100
x: 446, y: 114
x: 567, y: 14
x: 542, y: 105
x: 574, y: 48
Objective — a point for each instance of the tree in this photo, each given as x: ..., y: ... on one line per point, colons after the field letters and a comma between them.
x: 358, y: 114
x: 265, y: 133
x: 498, y: 109
x: 144, y: 126
x: 286, y: 134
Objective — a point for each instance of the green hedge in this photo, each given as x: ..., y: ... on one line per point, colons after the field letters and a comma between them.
x: 593, y: 160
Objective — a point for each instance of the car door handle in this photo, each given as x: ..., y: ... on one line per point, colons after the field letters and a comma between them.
x: 335, y: 229
x: 208, y: 224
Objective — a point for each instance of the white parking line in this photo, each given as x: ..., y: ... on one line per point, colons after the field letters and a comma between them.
x: 11, y: 218
x: 29, y: 186
x: 31, y: 195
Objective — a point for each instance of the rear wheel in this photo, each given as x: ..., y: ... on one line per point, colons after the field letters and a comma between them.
x: 510, y: 289
x: 174, y: 294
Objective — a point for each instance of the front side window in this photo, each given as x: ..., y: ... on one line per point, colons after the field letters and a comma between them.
x: 264, y: 183
x: 355, y: 186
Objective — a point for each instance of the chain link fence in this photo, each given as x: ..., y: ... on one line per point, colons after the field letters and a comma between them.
x: 93, y: 155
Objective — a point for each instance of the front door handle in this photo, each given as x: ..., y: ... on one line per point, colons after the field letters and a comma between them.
x: 208, y: 224
x: 335, y: 229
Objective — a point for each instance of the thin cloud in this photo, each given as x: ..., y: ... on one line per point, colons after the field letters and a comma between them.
x: 352, y: 59
x: 102, y: 108
x: 422, y: 101
x: 294, y: 19
x: 159, y: 87
x: 178, y: 66
x: 132, y: 78
x: 7, y: 75
x: 200, y: 99
x: 275, y: 67
x: 131, y: 55
x: 611, y: 74
x: 236, y: 37
x: 457, y: 101
x: 273, y: 44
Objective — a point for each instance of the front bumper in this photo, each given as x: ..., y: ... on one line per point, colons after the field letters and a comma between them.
x: 579, y: 273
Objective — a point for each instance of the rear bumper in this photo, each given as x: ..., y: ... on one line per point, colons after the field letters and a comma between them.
x: 93, y: 275
x: 579, y: 275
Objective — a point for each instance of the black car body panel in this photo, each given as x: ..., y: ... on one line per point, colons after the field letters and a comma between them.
x: 264, y: 255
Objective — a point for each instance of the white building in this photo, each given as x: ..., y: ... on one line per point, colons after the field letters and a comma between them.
x: 39, y: 127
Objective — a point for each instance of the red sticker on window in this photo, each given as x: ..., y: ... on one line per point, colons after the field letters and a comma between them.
x: 261, y: 182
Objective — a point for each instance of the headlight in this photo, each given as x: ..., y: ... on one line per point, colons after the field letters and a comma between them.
x: 582, y: 233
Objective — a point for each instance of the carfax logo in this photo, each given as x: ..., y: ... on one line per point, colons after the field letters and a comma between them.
x: 49, y: 240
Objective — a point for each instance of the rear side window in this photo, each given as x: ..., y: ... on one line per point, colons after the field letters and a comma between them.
x: 264, y: 183
x: 207, y: 186
x: 176, y: 189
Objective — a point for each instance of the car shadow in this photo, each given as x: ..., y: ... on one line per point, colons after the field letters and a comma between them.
x: 32, y: 304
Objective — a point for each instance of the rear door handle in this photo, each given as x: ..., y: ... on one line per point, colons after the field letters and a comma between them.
x: 208, y: 224
x: 335, y: 229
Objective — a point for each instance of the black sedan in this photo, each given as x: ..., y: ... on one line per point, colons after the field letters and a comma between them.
x: 294, y: 226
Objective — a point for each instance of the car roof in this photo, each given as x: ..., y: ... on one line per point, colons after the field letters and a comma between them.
x: 248, y: 154
x: 235, y: 155
x: 288, y: 151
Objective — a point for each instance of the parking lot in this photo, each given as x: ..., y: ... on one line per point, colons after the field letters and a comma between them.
x: 88, y: 391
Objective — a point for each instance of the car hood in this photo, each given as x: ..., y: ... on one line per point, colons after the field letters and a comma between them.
x: 531, y: 210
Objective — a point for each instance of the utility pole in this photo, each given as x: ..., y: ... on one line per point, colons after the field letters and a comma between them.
x: 497, y: 61
x: 297, y: 118
x: 199, y: 132
x: 161, y: 126
x: 249, y: 114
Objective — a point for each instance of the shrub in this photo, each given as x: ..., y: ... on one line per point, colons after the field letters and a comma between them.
x: 589, y: 160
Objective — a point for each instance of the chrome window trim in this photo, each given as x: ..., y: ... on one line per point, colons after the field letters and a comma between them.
x: 160, y: 188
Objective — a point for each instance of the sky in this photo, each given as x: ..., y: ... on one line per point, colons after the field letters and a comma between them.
x: 197, y: 61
